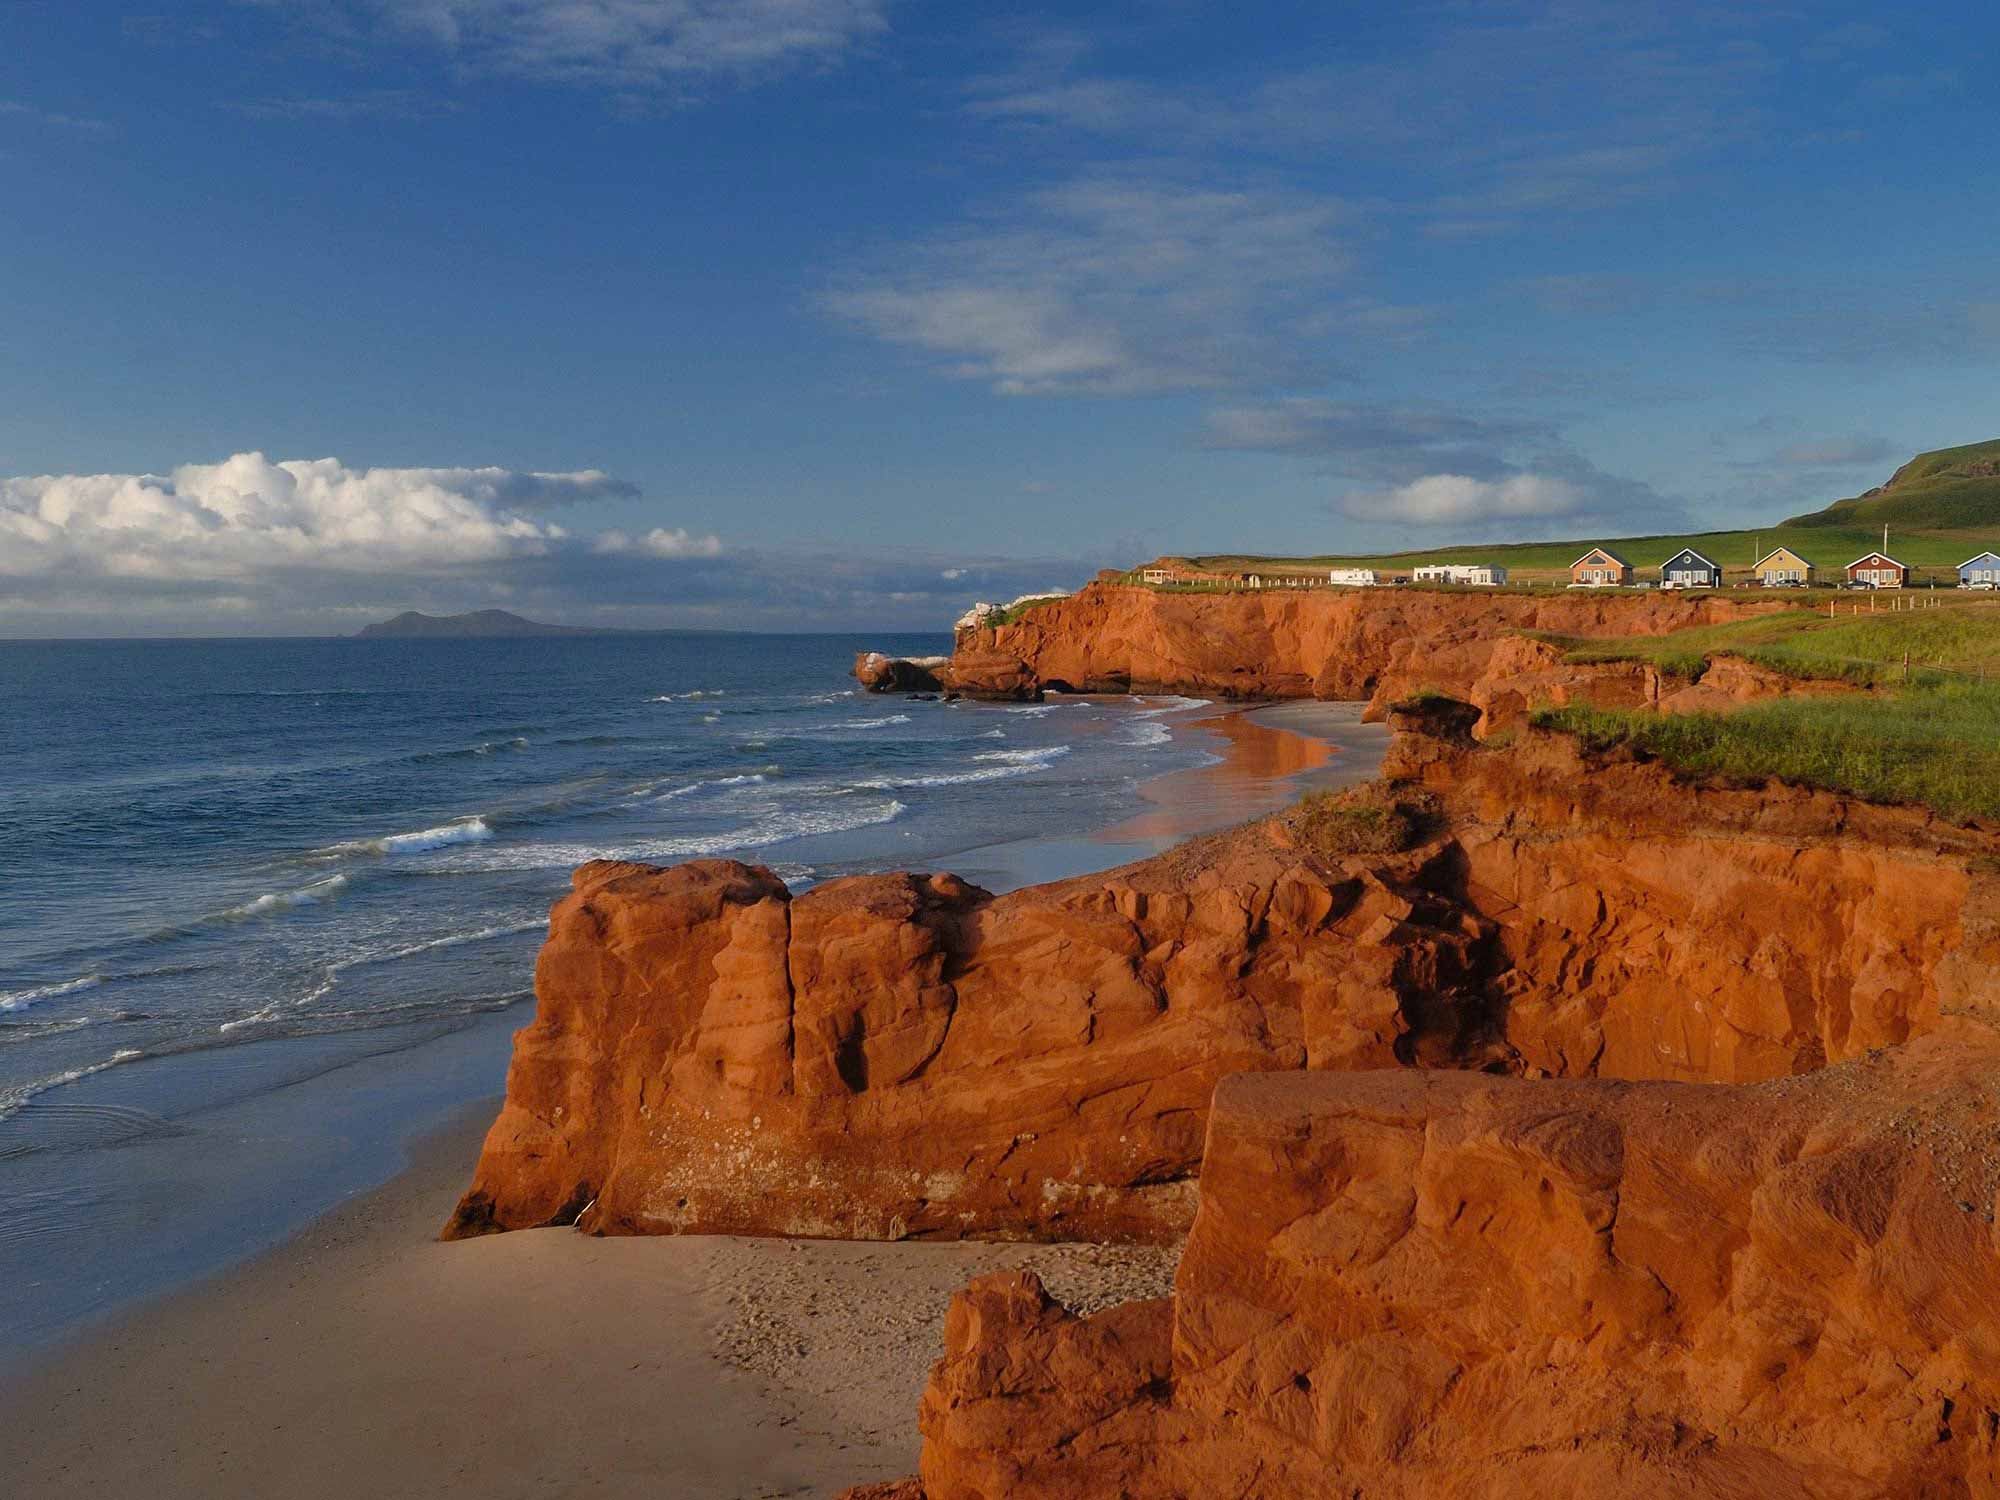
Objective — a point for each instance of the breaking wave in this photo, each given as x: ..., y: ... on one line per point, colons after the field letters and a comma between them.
x: 22, y: 999
x: 464, y: 831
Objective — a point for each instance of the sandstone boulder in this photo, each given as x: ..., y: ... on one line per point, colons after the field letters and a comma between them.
x: 1419, y: 1285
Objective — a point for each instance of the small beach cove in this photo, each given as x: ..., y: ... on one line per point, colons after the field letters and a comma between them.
x: 363, y: 1357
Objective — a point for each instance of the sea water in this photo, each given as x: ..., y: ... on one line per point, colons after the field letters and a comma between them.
x: 268, y: 906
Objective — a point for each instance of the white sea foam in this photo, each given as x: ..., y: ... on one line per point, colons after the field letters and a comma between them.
x: 1035, y: 710
x: 12, y: 1099
x: 272, y: 901
x: 22, y: 999
x: 330, y: 975
x: 836, y: 814
x: 464, y: 831
x: 869, y: 723
x: 1040, y: 755
x: 1173, y: 704
x: 1144, y: 735
x: 698, y: 693
x: 1000, y: 765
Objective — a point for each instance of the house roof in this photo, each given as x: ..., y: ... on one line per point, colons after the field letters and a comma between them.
x: 1981, y: 557
x: 1867, y: 556
x: 1604, y: 551
x: 1797, y: 557
x: 1688, y: 552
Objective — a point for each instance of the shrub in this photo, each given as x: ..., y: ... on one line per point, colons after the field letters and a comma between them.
x: 1332, y: 824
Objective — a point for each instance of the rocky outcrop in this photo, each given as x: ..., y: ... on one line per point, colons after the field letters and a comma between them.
x: 1415, y: 1285
x: 906, y: 1055
x: 1511, y: 676
x: 898, y: 674
x: 990, y: 675
x: 1308, y: 643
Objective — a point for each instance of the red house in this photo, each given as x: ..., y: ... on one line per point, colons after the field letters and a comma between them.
x: 1878, y: 570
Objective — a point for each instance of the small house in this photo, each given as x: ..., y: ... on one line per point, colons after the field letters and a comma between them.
x: 1688, y: 569
x: 1157, y: 575
x: 1877, y: 570
x: 1599, y: 568
x: 1469, y: 575
x: 1981, y: 572
x: 1782, y: 568
x: 1354, y: 578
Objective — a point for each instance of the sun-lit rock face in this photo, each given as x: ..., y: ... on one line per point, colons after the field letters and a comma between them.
x: 1422, y: 1284
x: 1306, y: 643
x: 907, y: 1055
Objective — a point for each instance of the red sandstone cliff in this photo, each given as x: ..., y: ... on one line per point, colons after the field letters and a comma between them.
x: 907, y: 1055
x: 1441, y: 1286
x: 1284, y: 643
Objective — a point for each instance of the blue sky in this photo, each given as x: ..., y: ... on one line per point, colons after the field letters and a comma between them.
x: 846, y: 312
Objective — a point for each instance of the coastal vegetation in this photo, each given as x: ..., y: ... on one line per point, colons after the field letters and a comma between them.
x: 1934, y: 743
x: 1930, y: 736
x: 1941, y: 507
x: 1331, y: 824
x: 1854, y: 645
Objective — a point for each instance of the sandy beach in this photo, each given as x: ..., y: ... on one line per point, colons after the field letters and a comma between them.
x: 363, y: 1357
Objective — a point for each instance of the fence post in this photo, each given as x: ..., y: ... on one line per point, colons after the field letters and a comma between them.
x: 1906, y: 666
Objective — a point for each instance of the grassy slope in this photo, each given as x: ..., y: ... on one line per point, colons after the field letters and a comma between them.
x: 1934, y: 741
x: 1962, y: 635
x: 1939, y: 509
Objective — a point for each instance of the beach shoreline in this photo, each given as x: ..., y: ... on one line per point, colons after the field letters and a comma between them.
x: 362, y: 1356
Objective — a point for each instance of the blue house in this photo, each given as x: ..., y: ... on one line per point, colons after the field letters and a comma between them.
x: 1688, y: 569
x: 1981, y: 572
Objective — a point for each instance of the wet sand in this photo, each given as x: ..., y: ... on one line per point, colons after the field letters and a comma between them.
x: 364, y: 1358
x: 1266, y: 758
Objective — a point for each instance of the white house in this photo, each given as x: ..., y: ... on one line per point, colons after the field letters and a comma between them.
x: 1354, y: 578
x: 1471, y: 575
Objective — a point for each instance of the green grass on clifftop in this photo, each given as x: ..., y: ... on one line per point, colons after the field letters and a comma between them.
x: 1933, y: 744
x: 1961, y: 635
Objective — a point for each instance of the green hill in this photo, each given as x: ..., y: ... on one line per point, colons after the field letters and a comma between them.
x: 1940, y: 508
x: 1951, y: 490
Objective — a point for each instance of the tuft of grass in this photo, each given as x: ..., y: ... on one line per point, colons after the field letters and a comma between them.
x: 1934, y: 743
x: 1333, y: 824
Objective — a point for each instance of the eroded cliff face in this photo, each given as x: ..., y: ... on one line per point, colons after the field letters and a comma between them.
x: 1279, y: 643
x: 1419, y: 1285
x: 907, y: 1055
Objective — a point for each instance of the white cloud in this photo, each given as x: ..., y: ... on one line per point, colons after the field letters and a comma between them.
x: 1451, y: 499
x: 248, y: 515
x: 632, y: 44
x: 1112, y: 285
x: 660, y: 542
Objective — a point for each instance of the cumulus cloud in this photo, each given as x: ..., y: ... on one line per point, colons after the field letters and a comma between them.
x: 1113, y: 285
x: 248, y: 518
x: 628, y: 44
x: 249, y: 545
x: 660, y: 542
x: 1448, y: 499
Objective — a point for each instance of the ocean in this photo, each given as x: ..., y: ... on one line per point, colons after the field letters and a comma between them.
x: 269, y: 907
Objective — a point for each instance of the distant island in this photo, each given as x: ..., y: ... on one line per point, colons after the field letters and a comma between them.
x: 486, y: 624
